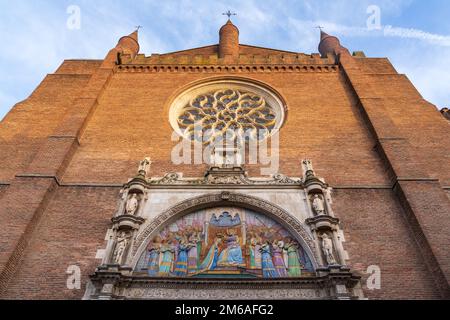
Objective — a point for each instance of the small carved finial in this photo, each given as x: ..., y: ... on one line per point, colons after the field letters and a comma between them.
x: 308, y: 169
x: 144, y: 167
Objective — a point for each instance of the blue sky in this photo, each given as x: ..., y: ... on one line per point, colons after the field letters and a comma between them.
x: 414, y: 34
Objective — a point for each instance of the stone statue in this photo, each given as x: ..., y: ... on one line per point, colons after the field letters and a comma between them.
x: 121, y: 246
x: 318, y: 205
x: 132, y: 205
x: 144, y: 167
x: 327, y: 248
x: 308, y: 168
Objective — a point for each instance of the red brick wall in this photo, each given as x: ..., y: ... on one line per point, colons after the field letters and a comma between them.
x: 26, y: 126
x: 377, y: 233
x: 324, y: 123
x: 70, y: 232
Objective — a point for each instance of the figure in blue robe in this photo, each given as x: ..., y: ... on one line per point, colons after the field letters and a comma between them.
x: 232, y: 254
x: 181, y: 266
x: 268, y: 268
x: 153, y: 262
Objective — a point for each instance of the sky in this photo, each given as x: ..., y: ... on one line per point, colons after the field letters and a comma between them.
x: 37, y: 35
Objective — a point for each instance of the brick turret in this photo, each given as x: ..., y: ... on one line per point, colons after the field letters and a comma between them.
x: 331, y: 45
x: 229, y: 40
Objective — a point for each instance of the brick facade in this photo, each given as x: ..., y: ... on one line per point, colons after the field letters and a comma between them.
x: 67, y: 149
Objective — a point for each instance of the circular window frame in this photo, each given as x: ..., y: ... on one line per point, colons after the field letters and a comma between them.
x: 272, y: 98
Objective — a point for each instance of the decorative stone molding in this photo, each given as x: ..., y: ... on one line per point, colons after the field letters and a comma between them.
x: 330, y: 283
x: 323, y: 222
x: 225, y: 176
x: 127, y: 221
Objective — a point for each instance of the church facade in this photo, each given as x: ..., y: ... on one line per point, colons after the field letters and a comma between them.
x: 228, y: 171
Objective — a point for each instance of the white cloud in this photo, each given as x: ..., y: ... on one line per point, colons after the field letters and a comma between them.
x: 411, y: 33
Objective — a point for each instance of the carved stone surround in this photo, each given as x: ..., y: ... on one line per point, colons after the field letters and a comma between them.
x: 328, y: 284
x: 336, y: 281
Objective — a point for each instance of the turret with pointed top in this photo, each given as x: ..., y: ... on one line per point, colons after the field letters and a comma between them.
x: 229, y: 40
x: 330, y: 45
x: 127, y: 45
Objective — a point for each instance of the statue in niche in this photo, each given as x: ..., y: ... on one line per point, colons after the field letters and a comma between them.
x: 144, y: 167
x: 318, y: 205
x: 132, y: 205
x: 121, y: 246
x: 327, y: 248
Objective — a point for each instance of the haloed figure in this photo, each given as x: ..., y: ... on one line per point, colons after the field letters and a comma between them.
x: 181, y: 267
x: 167, y: 256
x: 294, y: 266
x: 232, y: 254
x: 210, y: 261
x: 278, y: 260
x: 153, y: 257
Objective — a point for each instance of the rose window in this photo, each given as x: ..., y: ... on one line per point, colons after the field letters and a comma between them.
x: 231, y: 110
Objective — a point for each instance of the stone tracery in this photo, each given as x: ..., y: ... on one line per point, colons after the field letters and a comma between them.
x: 227, y: 111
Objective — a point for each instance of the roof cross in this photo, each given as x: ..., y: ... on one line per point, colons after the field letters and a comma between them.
x: 138, y: 27
x: 229, y: 14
